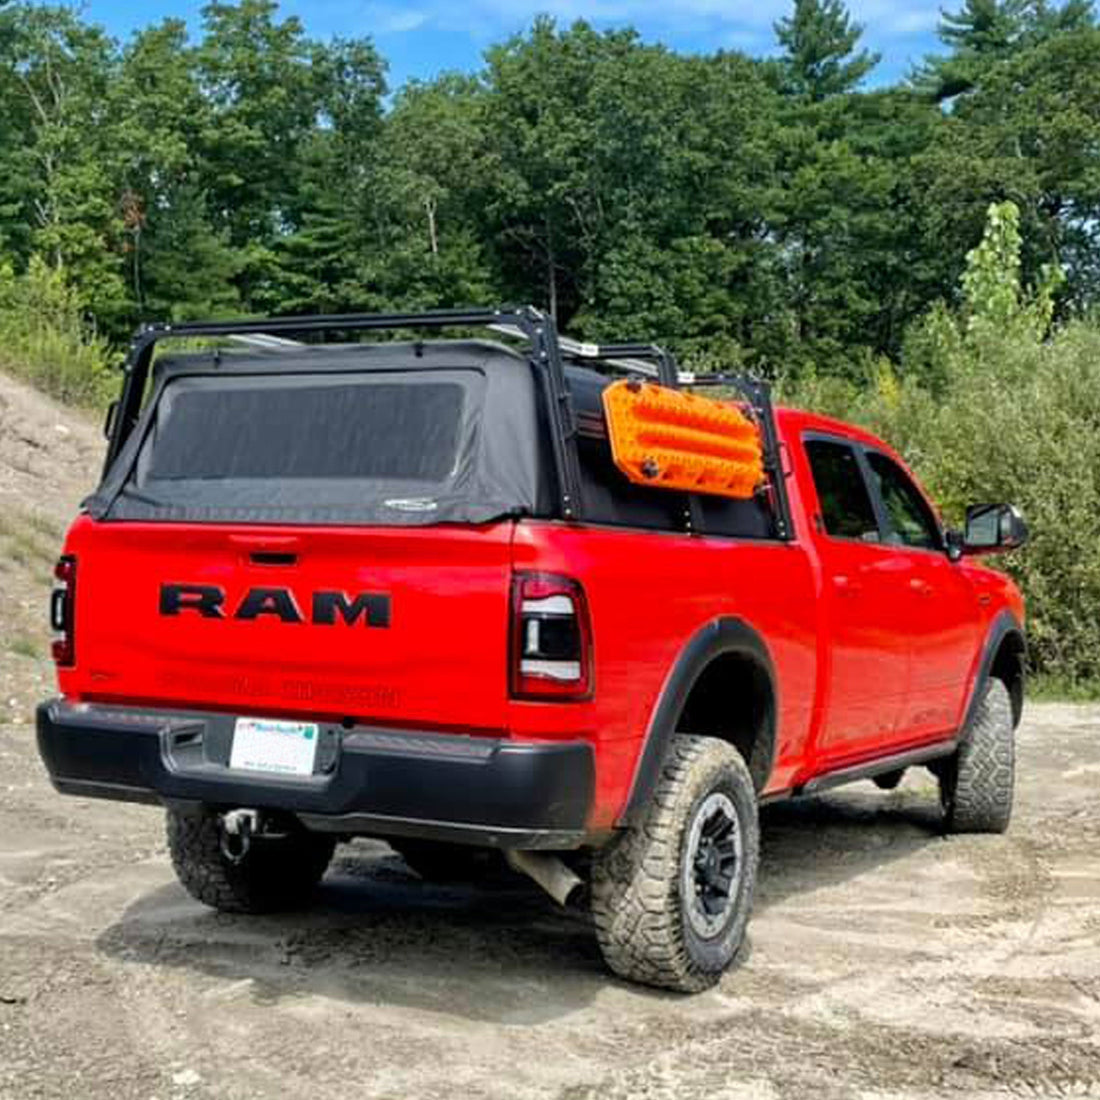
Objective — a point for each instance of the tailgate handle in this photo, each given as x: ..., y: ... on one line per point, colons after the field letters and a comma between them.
x: 273, y: 557
x: 268, y: 549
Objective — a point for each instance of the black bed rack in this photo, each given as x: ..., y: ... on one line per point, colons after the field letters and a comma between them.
x: 547, y: 352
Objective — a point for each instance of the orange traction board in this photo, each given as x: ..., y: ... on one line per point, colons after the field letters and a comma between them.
x: 672, y: 440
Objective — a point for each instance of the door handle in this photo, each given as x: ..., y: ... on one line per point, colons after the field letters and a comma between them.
x: 922, y: 588
x: 845, y: 586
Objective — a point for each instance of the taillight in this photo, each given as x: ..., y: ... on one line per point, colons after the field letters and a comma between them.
x: 62, y: 606
x: 551, y: 654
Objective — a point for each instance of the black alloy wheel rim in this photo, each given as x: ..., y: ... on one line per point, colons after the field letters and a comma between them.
x: 713, y: 863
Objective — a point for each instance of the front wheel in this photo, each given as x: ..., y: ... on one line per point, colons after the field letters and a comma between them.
x: 977, y: 783
x: 671, y: 896
x: 276, y: 873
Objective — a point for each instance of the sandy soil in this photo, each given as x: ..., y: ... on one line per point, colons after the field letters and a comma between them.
x: 885, y: 961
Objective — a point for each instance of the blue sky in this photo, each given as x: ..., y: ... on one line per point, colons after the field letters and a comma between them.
x: 424, y: 37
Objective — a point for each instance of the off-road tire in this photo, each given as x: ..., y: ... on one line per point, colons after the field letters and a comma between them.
x: 641, y: 916
x: 976, y: 785
x: 276, y: 873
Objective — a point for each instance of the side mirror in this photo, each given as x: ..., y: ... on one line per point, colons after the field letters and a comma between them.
x: 993, y: 529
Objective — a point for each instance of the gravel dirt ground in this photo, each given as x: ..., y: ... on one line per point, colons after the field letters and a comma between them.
x: 885, y: 961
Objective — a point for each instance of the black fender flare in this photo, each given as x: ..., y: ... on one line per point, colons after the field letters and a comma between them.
x: 718, y: 638
x: 1005, y: 625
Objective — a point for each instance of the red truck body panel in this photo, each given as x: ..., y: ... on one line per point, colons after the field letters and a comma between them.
x: 875, y: 647
x: 441, y: 662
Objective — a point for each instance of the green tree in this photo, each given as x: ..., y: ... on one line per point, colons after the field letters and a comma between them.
x: 984, y: 32
x: 819, y: 43
x: 315, y: 257
x: 56, y: 74
x: 16, y: 176
x: 256, y: 76
x: 545, y: 211
x: 161, y: 115
x: 188, y: 268
x: 627, y: 211
x: 687, y: 185
x: 434, y: 173
x: 1029, y: 132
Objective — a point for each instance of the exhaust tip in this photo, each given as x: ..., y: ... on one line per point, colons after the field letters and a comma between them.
x: 548, y: 871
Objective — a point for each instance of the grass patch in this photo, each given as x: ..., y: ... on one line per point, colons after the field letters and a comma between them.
x: 1057, y: 689
x: 23, y: 547
x: 46, y: 339
x: 25, y: 647
x: 29, y: 542
x: 43, y: 525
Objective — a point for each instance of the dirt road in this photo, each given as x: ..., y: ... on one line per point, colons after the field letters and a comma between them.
x: 885, y: 961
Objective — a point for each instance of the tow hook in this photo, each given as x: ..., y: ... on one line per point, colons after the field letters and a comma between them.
x: 238, y: 828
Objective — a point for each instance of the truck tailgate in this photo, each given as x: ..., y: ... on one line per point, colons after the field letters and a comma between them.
x: 402, y: 625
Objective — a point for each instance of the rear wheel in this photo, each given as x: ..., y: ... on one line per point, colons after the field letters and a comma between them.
x: 977, y: 783
x: 671, y: 896
x: 275, y: 873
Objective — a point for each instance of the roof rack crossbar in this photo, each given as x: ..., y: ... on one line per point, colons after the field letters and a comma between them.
x: 522, y: 317
x: 646, y: 359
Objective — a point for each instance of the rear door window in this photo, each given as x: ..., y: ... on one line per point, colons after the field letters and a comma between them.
x: 844, y: 503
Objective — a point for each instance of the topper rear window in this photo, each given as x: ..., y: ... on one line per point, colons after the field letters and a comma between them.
x: 407, y: 430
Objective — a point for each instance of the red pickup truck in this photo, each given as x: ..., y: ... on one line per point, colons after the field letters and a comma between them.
x: 403, y: 590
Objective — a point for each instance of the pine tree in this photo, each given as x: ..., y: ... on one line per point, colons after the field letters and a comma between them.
x: 819, y: 41
x: 983, y: 32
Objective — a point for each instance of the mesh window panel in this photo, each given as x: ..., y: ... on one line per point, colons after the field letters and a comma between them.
x: 378, y: 431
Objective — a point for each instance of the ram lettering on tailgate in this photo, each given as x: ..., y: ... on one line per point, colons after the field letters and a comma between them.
x: 326, y: 608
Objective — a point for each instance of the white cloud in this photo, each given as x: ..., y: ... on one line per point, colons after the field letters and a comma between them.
x: 399, y: 21
x: 635, y: 10
x: 730, y: 23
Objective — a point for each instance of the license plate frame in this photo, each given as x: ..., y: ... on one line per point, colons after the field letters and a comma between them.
x: 275, y: 747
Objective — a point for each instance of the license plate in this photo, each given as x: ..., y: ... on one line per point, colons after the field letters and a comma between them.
x: 268, y: 745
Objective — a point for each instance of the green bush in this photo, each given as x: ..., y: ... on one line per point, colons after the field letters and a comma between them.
x: 46, y: 338
x: 989, y: 405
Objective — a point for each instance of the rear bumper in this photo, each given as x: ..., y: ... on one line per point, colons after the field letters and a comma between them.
x: 367, y: 782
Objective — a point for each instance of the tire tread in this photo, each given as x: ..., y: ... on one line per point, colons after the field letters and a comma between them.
x: 635, y: 880
x: 978, y: 787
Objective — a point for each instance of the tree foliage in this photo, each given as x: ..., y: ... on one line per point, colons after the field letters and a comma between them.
x: 819, y: 43
x: 765, y: 212
x: 983, y: 33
